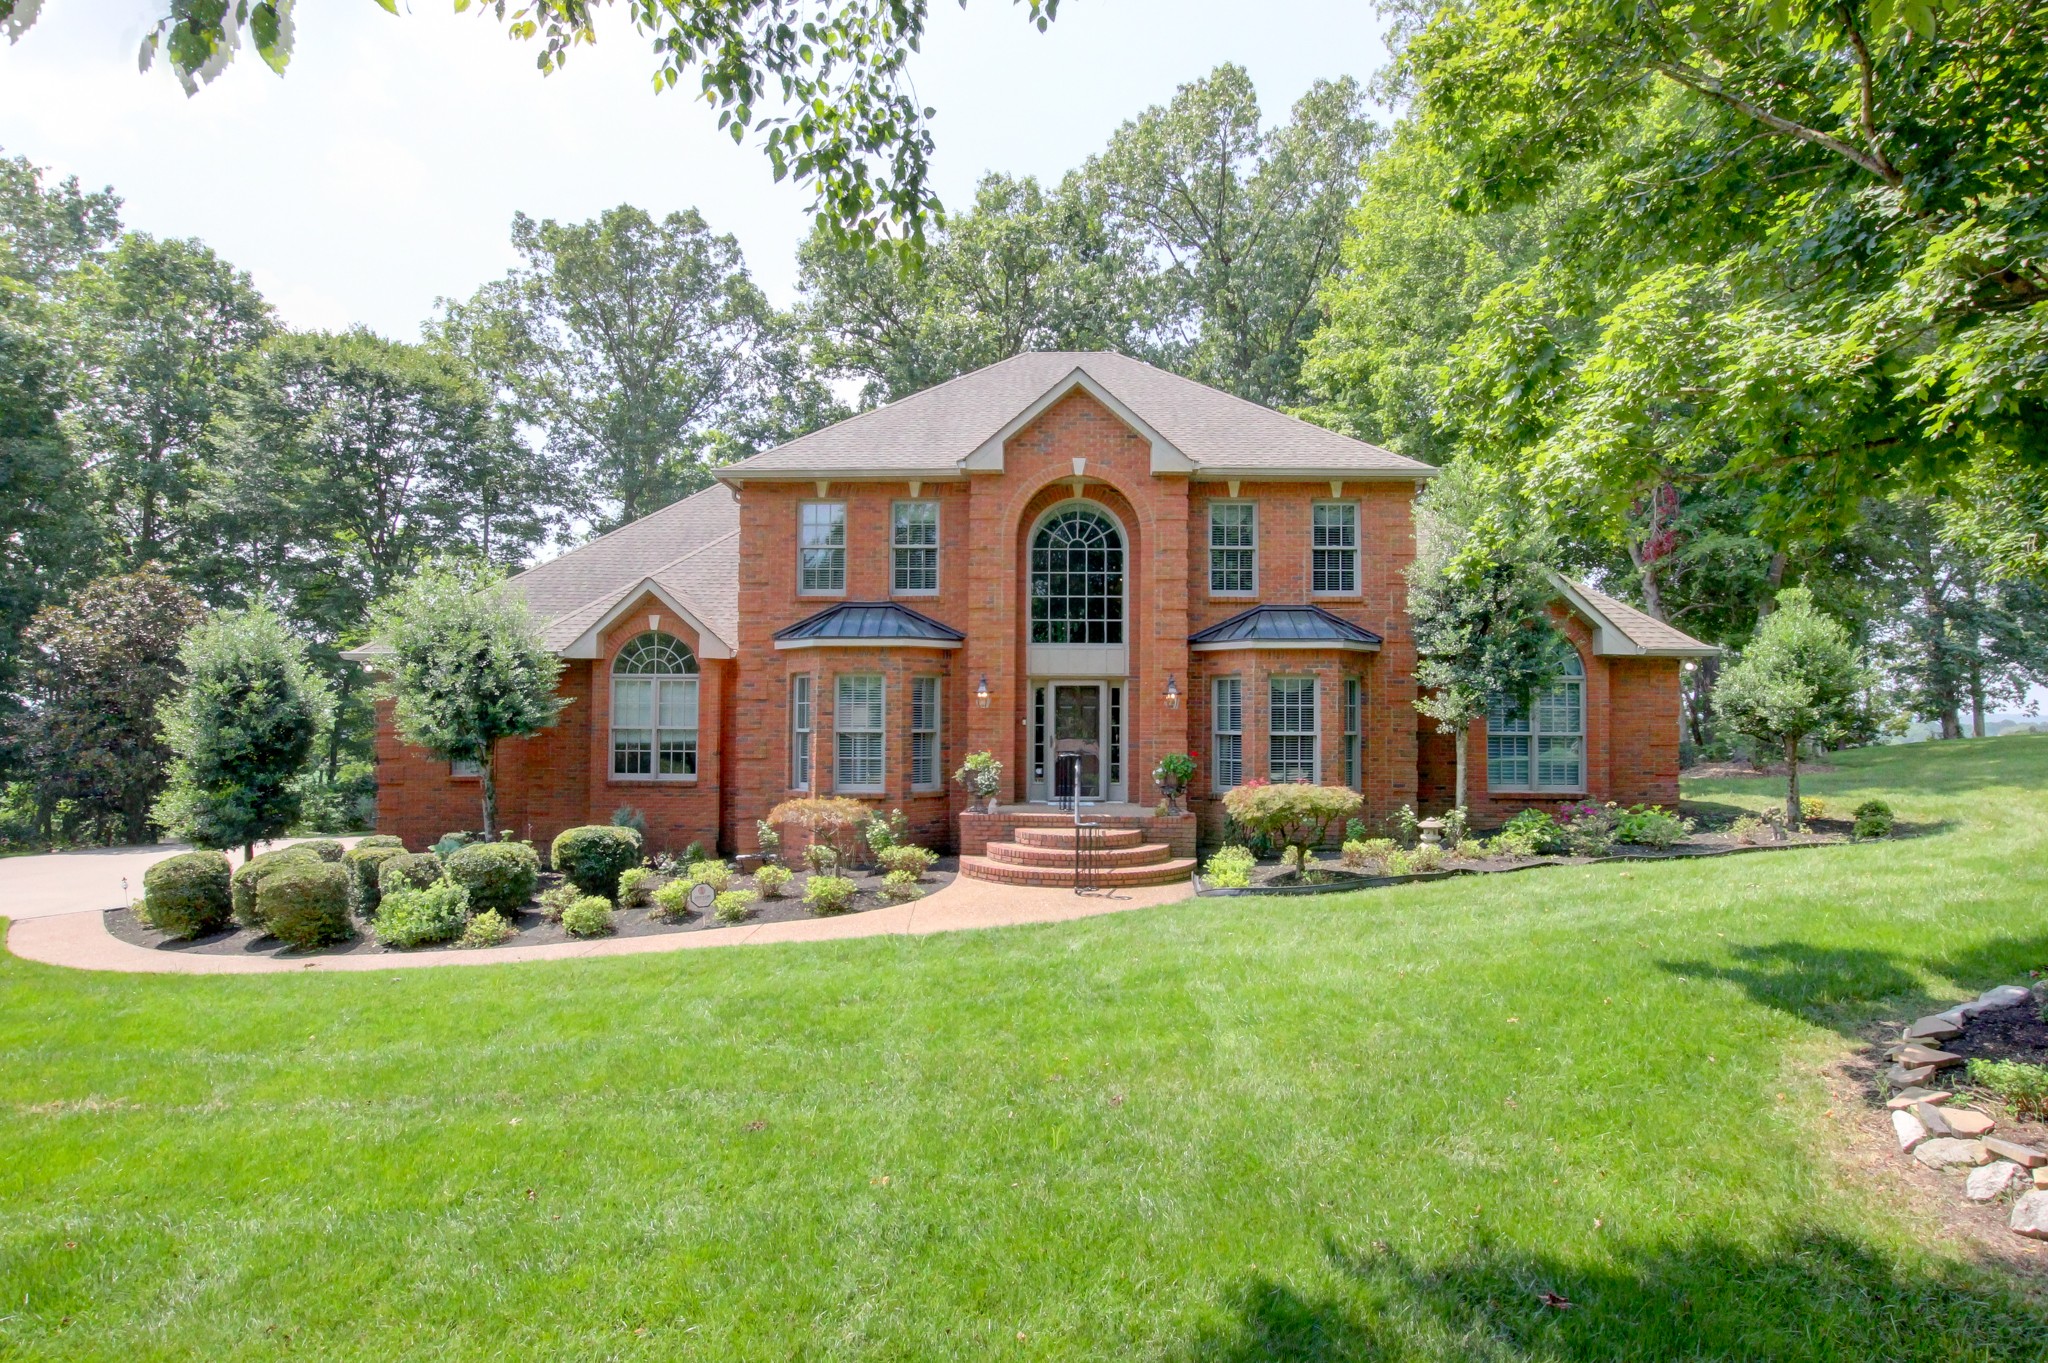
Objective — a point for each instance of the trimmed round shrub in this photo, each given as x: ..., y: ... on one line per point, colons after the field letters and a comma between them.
x: 594, y: 856
x: 904, y: 857
x: 327, y: 849
x: 554, y: 901
x: 487, y: 929
x: 1230, y: 867
x: 773, y: 880
x: 242, y: 886
x: 671, y: 902
x: 901, y: 886
x: 637, y: 885
x: 188, y: 894
x: 1874, y: 819
x: 362, y: 865
x: 733, y: 906
x: 590, y: 916
x: 829, y: 894
x: 380, y: 840
x: 716, y: 874
x: 305, y: 904
x: 408, y: 871
x: 498, y: 875
x: 415, y: 918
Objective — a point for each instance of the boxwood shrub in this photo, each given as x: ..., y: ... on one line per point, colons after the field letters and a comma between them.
x: 498, y: 875
x: 590, y: 916
x: 188, y: 894
x: 327, y: 849
x: 593, y: 856
x: 408, y: 871
x: 305, y: 903
x: 362, y: 865
x: 413, y: 918
x: 250, y: 874
x: 380, y: 840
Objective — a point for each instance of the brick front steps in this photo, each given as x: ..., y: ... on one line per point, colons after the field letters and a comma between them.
x: 1009, y: 873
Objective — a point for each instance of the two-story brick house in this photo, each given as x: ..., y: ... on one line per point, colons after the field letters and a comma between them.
x: 1076, y: 562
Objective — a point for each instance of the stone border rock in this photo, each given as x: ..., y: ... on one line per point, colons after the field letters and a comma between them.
x: 1345, y: 882
x: 1959, y: 1138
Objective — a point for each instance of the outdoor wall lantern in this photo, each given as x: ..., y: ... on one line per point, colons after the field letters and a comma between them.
x: 981, y: 692
x: 1172, y: 693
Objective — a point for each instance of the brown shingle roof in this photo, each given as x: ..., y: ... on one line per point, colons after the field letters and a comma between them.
x: 1643, y: 634
x: 933, y: 431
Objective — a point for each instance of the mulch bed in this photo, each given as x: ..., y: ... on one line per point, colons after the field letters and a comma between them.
x: 533, y: 930
x: 2015, y: 1033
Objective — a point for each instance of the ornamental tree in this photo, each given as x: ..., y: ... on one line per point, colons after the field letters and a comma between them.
x: 465, y: 667
x: 240, y: 731
x: 1479, y: 600
x: 1799, y: 678
x: 1293, y: 814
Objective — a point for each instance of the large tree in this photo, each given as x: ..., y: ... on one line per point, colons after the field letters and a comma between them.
x: 1861, y: 183
x: 155, y: 329
x: 1239, y: 223
x: 850, y: 124
x: 94, y: 673
x: 642, y: 350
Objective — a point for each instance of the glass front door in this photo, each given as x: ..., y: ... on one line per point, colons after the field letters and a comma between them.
x: 1077, y: 740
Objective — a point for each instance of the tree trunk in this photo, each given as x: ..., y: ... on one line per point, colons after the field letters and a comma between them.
x: 348, y: 678
x: 1951, y: 723
x: 1464, y: 734
x: 1791, y: 783
x: 1977, y: 699
x: 489, y: 786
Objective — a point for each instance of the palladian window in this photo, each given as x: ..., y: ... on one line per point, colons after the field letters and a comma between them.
x: 1077, y: 579
x: 1543, y: 748
x: 654, y: 710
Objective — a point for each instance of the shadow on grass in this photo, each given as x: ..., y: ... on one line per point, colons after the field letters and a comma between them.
x: 1810, y: 1296
x: 1843, y: 987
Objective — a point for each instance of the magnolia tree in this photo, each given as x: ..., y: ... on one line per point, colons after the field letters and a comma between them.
x: 240, y: 731
x: 466, y: 667
x: 1297, y: 816
x: 1800, y: 678
x: 1479, y: 599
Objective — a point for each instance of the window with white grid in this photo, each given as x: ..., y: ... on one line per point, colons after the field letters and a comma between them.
x: 1333, y: 548
x: 924, y: 733
x: 800, y: 732
x: 1233, y: 549
x: 1354, y: 732
x: 857, y: 724
x: 1227, y: 723
x: 821, y: 547
x: 1543, y: 748
x: 654, y: 710
x: 1291, y: 720
x: 914, y: 548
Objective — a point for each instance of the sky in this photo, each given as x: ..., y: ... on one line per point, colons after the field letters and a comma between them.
x: 383, y: 169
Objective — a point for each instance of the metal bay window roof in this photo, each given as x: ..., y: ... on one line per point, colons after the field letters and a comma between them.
x: 1284, y: 627
x: 870, y: 623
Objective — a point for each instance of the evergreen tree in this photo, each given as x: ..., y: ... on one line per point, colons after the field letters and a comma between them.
x: 240, y: 731
x: 1800, y: 679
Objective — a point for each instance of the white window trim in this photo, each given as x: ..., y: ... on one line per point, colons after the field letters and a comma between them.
x: 839, y: 730
x: 1353, y: 720
x: 938, y: 779
x: 845, y: 536
x: 1357, y: 587
x: 1217, y: 710
x: 1535, y: 735
x: 937, y: 547
x: 694, y: 682
x: 1314, y: 734
x: 802, y: 755
x: 1214, y: 549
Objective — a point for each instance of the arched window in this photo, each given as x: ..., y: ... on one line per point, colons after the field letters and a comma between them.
x: 1077, y: 579
x: 1543, y: 750
x: 654, y: 709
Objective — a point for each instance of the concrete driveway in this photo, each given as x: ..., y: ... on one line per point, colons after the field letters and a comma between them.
x: 69, y: 882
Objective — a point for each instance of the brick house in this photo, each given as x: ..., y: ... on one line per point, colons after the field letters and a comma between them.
x: 1074, y: 561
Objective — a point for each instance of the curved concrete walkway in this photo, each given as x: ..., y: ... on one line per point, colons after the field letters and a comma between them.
x: 79, y: 938
x: 94, y: 877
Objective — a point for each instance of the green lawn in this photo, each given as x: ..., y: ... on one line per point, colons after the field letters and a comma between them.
x: 1360, y: 1127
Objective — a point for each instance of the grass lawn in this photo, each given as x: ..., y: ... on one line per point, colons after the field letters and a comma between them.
x: 1370, y: 1126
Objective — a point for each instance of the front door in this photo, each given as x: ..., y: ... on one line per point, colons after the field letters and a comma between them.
x: 1077, y: 744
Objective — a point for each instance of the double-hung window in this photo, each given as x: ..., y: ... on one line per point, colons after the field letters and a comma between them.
x: 924, y: 733
x: 857, y: 722
x: 1354, y: 732
x: 821, y: 547
x: 800, y: 725
x: 1233, y: 549
x: 1291, y: 714
x: 466, y: 769
x: 1227, y: 721
x: 654, y: 710
x: 1333, y: 548
x: 1543, y: 747
x: 914, y: 548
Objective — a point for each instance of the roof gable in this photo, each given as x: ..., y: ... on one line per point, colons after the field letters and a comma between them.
x: 1621, y: 631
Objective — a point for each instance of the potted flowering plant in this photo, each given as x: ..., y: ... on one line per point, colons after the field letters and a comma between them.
x: 981, y: 776
x: 1172, y: 775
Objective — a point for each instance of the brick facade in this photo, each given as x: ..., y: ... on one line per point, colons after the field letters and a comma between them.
x: 1077, y: 450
